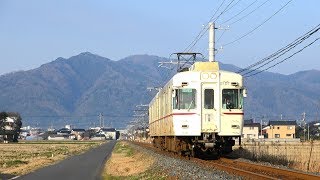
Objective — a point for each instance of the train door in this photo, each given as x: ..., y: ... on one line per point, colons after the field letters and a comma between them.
x: 209, y: 108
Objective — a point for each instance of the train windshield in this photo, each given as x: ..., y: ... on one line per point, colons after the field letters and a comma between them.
x: 184, y: 99
x: 232, y: 99
x: 209, y: 99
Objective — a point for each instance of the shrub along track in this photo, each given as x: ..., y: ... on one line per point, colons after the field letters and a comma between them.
x: 244, y: 169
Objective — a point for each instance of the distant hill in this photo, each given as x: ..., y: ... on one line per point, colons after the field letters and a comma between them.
x: 77, y: 89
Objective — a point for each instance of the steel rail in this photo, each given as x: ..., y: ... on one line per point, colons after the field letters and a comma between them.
x: 244, y: 169
x: 270, y: 171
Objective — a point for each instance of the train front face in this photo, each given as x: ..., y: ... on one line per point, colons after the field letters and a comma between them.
x: 231, y: 110
x: 221, y: 110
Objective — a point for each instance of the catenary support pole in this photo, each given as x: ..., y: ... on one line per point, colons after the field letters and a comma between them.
x: 211, y: 42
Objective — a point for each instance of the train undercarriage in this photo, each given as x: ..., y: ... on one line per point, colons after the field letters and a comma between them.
x: 209, y: 145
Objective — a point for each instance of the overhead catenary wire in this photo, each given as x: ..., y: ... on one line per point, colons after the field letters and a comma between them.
x: 240, y: 18
x: 274, y: 58
x: 200, y: 34
x: 203, y: 29
x: 281, y: 51
x: 248, y: 14
x: 233, y: 5
x: 251, y: 31
x: 206, y: 27
x: 312, y: 31
x: 239, y: 12
x: 299, y: 51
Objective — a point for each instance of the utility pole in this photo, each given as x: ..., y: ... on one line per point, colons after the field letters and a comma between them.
x: 261, y: 126
x: 102, y: 121
x: 308, y: 132
x: 143, y: 117
x: 304, y: 125
x: 211, y: 42
x: 100, y: 118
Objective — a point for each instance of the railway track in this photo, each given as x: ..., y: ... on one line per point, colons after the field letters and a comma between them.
x: 269, y: 171
x: 240, y: 168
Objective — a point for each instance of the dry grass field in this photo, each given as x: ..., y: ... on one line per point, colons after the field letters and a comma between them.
x: 22, y: 158
x: 303, y: 156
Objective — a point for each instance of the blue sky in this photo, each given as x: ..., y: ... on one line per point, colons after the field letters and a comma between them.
x: 34, y: 32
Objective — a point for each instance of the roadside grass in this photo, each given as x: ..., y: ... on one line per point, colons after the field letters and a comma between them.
x: 149, y: 174
x: 129, y: 164
x: 123, y: 148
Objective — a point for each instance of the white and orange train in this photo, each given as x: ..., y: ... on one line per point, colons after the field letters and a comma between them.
x: 199, y: 111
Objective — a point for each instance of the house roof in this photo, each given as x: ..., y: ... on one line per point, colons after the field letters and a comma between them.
x: 250, y: 121
x: 108, y: 129
x: 252, y: 125
x: 282, y: 123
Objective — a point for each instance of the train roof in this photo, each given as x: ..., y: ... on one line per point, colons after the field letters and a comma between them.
x: 198, y: 67
x: 205, y: 66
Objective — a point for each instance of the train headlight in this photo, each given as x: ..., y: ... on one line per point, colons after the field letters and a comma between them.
x: 235, y: 126
x: 234, y: 83
x: 206, y: 76
x: 213, y: 76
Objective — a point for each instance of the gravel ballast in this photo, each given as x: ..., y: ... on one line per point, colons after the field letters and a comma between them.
x: 182, y: 168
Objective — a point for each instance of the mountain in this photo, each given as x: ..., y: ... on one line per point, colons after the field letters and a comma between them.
x: 75, y: 90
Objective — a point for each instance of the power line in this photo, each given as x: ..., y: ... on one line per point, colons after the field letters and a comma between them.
x: 240, y: 12
x: 206, y: 27
x: 233, y: 5
x: 248, y: 33
x: 249, y: 13
x: 285, y: 58
x: 278, y: 56
x: 306, y: 35
x: 220, y: 36
x: 200, y: 33
x: 224, y: 11
x: 281, y: 51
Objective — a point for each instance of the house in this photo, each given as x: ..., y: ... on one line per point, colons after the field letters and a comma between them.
x: 78, y: 133
x: 64, y: 131
x: 250, y: 130
x: 110, y: 133
x: 281, y: 129
x: 7, y: 129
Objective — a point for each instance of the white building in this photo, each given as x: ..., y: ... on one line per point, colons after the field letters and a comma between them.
x: 251, y: 130
x: 110, y: 133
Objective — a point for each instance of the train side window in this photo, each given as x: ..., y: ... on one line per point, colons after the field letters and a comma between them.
x: 231, y: 99
x: 175, y: 99
x: 184, y: 99
x: 209, y: 99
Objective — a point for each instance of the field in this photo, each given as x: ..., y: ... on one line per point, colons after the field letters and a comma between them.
x: 303, y: 156
x: 22, y: 158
